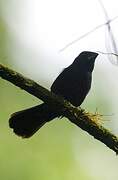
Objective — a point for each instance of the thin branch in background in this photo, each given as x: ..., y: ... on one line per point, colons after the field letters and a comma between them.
x: 81, y: 37
x: 106, y: 53
x: 88, y: 33
x: 110, y: 33
x: 108, y: 24
x: 78, y: 116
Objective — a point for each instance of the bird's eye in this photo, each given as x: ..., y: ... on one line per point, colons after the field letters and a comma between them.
x: 91, y: 56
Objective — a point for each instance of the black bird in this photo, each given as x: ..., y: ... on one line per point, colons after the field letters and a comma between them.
x: 73, y: 84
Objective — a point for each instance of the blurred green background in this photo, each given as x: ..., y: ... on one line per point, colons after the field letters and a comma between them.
x: 60, y: 150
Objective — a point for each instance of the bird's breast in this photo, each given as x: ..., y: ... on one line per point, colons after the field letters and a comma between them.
x: 73, y: 86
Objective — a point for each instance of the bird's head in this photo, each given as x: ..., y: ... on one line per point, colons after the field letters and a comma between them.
x: 86, y: 60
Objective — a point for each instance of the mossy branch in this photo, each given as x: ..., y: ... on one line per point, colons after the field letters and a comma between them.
x: 77, y: 116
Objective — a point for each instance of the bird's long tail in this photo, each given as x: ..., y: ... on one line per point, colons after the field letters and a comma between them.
x: 26, y: 122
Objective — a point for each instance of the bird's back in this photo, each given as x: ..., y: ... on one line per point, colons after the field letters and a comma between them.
x: 73, y: 84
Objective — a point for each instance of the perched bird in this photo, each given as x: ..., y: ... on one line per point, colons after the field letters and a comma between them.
x: 73, y: 84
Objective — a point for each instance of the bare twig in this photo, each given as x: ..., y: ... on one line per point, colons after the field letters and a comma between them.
x: 88, y: 33
x: 77, y: 116
x: 110, y: 33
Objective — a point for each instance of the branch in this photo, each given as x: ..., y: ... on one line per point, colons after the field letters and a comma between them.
x: 78, y: 116
x: 108, y: 22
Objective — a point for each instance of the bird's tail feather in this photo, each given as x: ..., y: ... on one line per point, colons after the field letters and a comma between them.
x: 26, y: 122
